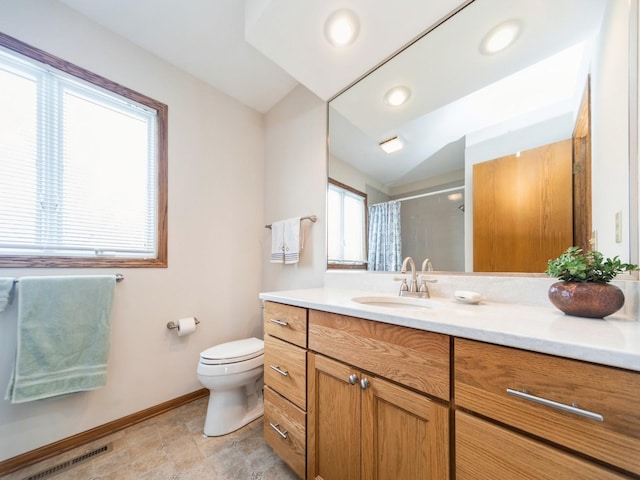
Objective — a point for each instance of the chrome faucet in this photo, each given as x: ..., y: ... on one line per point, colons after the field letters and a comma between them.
x: 427, y: 266
x: 414, y: 279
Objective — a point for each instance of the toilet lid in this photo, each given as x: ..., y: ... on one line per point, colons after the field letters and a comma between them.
x: 232, y: 352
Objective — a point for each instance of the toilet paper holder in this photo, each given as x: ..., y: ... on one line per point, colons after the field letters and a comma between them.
x: 172, y: 325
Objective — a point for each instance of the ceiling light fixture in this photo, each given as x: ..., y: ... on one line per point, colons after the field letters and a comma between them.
x: 341, y: 28
x: 397, y: 96
x: 392, y: 145
x: 500, y: 37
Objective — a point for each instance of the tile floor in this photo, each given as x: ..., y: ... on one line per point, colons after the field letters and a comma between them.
x: 171, y: 446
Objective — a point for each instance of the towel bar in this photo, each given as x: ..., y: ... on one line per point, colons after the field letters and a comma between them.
x: 313, y: 218
x: 119, y: 278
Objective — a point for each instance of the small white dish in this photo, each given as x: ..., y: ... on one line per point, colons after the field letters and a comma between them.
x: 467, y: 296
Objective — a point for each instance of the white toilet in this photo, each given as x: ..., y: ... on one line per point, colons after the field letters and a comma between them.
x: 233, y: 372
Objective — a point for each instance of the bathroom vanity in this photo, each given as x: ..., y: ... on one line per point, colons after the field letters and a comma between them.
x: 448, y: 391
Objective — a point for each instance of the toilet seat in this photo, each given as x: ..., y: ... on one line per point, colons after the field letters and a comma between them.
x: 233, y: 352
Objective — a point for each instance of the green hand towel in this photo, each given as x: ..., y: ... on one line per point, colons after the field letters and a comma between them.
x: 6, y: 292
x: 63, y: 336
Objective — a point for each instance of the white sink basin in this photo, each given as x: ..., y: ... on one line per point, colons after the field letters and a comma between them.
x: 396, y: 302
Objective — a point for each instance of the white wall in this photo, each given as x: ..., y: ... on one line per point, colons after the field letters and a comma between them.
x: 610, y: 133
x: 216, y: 169
x: 345, y: 173
x: 295, y: 180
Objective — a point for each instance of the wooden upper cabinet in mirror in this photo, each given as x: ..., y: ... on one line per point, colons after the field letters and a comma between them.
x: 467, y: 107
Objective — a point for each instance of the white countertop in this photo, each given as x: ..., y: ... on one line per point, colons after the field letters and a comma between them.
x: 614, y: 341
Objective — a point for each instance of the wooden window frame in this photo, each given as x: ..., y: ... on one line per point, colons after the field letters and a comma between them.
x: 358, y: 266
x: 161, y: 260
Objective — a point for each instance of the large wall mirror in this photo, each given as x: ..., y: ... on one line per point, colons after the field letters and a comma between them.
x: 509, y: 153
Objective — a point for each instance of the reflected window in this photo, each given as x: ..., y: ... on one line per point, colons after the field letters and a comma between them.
x: 346, y: 229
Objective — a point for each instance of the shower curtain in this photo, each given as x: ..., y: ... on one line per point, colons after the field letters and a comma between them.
x: 384, y: 237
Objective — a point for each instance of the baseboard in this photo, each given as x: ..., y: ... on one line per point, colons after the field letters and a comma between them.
x: 69, y: 443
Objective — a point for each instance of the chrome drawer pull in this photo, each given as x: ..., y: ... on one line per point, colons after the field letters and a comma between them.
x: 284, y: 373
x: 279, y: 322
x: 560, y: 406
x: 278, y: 431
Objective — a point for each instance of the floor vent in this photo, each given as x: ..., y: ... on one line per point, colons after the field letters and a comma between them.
x: 61, y: 467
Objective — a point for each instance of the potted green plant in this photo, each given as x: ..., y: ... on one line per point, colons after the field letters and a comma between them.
x: 584, y: 289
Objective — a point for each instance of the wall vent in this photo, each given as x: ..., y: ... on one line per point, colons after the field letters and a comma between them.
x: 64, y: 466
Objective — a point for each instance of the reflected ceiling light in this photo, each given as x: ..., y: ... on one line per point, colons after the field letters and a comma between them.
x: 392, y: 145
x: 500, y: 37
x: 341, y: 28
x: 397, y: 96
x: 454, y: 197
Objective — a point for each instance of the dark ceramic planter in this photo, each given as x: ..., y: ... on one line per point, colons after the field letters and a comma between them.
x: 593, y: 300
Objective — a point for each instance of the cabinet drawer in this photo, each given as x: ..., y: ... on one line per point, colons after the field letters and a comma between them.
x: 414, y: 358
x: 285, y: 370
x: 286, y: 322
x: 489, y: 379
x: 488, y: 452
x: 285, y: 430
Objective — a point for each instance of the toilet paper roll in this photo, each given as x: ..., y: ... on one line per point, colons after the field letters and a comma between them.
x: 186, y: 326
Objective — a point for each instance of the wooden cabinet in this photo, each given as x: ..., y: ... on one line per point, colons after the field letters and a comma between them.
x: 585, y: 409
x: 285, y: 430
x: 348, y: 398
x: 361, y: 425
x: 285, y: 379
x: 486, y: 451
x: 411, y: 357
x: 286, y: 322
x: 285, y: 370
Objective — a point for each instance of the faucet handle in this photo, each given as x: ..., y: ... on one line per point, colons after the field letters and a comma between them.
x: 423, y: 278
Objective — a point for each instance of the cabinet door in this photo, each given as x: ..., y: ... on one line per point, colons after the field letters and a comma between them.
x: 485, y: 451
x: 333, y: 440
x: 405, y: 435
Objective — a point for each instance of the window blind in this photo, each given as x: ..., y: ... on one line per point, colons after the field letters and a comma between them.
x: 78, y: 169
x: 346, y: 226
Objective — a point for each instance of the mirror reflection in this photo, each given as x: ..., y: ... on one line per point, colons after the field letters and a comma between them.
x: 506, y: 140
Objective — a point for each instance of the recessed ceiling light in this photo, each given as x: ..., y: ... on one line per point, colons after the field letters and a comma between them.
x: 397, y: 96
x: 341, y: 28
x: 500, y: 37
x: 392, y: 145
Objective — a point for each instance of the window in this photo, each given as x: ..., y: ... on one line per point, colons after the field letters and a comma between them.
x: 346, y: 242
x: 83, y: 166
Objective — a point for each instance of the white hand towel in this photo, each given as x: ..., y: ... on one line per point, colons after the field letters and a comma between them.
x: 277, y: 242
x: 292, y: 240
